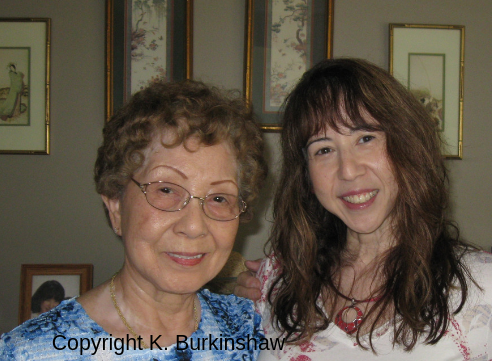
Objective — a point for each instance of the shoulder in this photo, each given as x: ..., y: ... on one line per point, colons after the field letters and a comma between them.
x: 38, y: 335
x: 479, y: 263
x: 269, y: 269
x: 267, y: 273
x: 228, y: 317
x: 227, y: 306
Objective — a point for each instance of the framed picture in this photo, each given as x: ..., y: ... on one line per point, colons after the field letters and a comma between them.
x: 25, y: 86
x: 283, y: 40
x: 44, y: 286
x: 429, y: 61
x: 146, y: 41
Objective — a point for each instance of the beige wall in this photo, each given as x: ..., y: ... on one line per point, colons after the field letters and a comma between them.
x: 49, y: 212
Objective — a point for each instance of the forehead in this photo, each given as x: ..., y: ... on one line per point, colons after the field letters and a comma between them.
x: 347, y: 126
x: 192, y: 158
x: 354, y: 118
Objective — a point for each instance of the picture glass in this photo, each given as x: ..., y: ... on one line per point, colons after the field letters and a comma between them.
x: 288, y: 53
x: 428, y: 60
x: 150, y: 42
x: 14, y: 86
x: 426, y: 82
x: 68, y: 284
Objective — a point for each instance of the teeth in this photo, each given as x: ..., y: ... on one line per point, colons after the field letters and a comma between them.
x: 186, y: 257
x: 360, y: 198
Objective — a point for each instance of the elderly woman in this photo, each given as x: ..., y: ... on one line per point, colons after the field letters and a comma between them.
x: 365, y: 264
x: 178, y: 169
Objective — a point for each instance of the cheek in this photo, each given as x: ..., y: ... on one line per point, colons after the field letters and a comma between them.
x: 388, y: 175
x: 321, y: 182
x: 225, y: 234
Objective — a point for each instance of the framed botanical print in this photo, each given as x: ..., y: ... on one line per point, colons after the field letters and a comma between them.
x: 283, y: 40
x: 146, y: 41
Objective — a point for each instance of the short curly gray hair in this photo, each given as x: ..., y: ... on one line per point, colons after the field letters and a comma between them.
x: 187, y: 109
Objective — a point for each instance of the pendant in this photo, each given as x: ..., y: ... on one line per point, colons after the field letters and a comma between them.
x: 349, y: 327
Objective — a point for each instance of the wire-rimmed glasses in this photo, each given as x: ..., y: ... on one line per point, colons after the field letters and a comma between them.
x: 170, y: 197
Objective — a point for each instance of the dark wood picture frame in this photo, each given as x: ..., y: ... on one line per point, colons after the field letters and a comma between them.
x: 56, y: 272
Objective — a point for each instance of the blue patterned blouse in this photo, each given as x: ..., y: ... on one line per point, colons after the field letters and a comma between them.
x: 229, y: 330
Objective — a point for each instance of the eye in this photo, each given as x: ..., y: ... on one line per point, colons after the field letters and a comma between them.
x: 166, y: 190
x: 324, y: 150
x: 219, y: 199
x: 366, y: 138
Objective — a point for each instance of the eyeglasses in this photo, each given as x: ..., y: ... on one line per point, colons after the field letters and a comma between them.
x: 170, y: 197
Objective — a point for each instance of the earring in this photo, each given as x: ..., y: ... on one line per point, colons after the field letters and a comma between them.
x: 116, y: 230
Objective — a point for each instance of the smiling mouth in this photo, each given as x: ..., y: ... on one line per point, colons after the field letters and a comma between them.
x: 186, y: 257
x: 360, y: 198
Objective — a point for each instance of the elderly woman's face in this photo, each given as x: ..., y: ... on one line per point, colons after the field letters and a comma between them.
x: 178, y: 252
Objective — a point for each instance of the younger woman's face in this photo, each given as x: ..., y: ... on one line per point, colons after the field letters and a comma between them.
x: 352, y: 177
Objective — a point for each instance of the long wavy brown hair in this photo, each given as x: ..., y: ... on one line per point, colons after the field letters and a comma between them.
x: 423, y: 268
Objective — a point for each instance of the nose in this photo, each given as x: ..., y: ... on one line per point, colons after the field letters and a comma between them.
x: 350, y: 166
x: 192, y: 221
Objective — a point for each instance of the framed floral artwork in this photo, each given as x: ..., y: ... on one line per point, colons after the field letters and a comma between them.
x: 25, y: 86
x: 146, y: 40
x: 44, y: 286
x: 429, y: 61
x: 284, y: 38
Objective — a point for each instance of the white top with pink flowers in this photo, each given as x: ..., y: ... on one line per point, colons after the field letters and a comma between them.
x: 469, y: 335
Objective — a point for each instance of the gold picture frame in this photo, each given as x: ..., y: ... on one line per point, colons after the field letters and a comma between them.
x: 429, y: 61
x: 25, y: 85
x: 75, y: 279
x: 283, y: 40
x: 169, y: 42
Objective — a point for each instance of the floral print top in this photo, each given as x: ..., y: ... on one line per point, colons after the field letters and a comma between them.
x: 229, y: 329
x: 469, y: 335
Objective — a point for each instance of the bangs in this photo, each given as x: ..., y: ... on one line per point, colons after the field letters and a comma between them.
x: 329, y: 105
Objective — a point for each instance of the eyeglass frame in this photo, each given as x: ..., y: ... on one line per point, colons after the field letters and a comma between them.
x: 143, y: 188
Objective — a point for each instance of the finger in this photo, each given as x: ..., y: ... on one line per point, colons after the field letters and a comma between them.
x: 253, y: 265
x: 253, y: 294
x: 248, y: 280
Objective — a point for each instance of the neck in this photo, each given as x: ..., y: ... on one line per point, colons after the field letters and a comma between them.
x: 151, y: 312
x: 365, y: 249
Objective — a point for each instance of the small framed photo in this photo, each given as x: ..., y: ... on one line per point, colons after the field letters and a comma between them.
x: 283, y: 40
x: 429, y: 61
x: 44, y: 286
x: 24, y: 86
x: 146, y: 41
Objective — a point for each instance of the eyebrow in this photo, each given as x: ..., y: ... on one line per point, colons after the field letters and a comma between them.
x: 185, y: 177
x: 223, y: 181
x: 352, y: 131
x: 172, y: 168
x: 317, y: 140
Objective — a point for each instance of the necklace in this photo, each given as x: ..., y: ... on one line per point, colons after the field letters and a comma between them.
x: 351, y: 327
x: 125, y: 322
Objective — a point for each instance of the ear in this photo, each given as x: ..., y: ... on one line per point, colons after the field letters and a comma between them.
x: 113, y: 207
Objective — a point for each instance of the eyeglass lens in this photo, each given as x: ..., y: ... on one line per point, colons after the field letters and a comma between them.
x: 172, y: 197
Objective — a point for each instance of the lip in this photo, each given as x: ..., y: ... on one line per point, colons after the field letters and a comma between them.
x: 186, y: 258
x: 359, y: 206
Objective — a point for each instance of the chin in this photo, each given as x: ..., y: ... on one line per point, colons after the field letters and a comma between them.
x: 363, y: 228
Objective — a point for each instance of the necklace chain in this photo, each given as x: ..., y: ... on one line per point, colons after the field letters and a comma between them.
x: 125, y: 322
